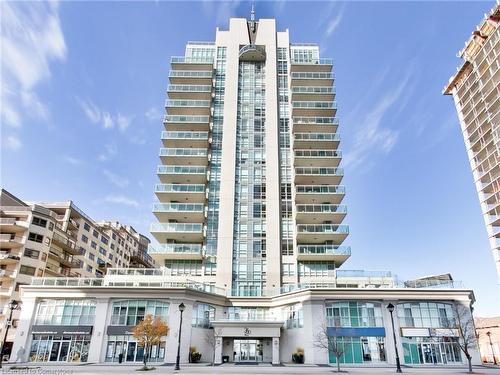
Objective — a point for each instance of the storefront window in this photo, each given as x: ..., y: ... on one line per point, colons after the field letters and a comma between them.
x: 59, y: 348
x: 65, y: 312
x: 431, y: 350
x: 360, y: 350
x: 426, y: 314
x: 131, y: 351
x: 131, y: 312
x: 354, y: 314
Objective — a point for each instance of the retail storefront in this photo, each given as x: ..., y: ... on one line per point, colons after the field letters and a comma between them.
x: 131, y: 352
x: 420, y: 347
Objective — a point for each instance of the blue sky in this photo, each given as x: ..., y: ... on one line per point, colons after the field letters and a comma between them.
x: 83, y: 88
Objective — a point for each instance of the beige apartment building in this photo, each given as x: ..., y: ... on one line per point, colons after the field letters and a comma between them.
x: 59, y: 240
x: 476, y: 92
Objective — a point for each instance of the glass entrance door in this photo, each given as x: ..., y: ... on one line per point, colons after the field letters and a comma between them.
x: 247, y: 351
x: 131, y: 352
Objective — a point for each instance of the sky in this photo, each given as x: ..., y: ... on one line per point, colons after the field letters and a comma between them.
x: 83, y: 91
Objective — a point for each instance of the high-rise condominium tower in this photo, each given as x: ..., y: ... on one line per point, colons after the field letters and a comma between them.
x: 250, y: 194
x: 476, y: 92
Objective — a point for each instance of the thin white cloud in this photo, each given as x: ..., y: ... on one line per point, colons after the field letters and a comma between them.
x: 116, y: 180
x: 12, y: 142
x: 110, y: 151
x: 221, y: 10
x: 107, y: 120
x: 31, y: 39
x: 153, y: 114
x: 72, y: 160
x: 334, y: 23
x: 121, y: 199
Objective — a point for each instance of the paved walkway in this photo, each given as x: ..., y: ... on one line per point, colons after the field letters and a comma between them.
x: 261, y: 369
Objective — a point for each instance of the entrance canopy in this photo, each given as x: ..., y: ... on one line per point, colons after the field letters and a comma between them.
x: 254, y: 328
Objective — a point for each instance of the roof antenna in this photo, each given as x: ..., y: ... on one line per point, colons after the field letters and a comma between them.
x: 252, y: 17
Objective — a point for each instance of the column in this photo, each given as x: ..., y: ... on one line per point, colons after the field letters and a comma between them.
x: 173, y: 336
x: 276, y: 350
x: 97, y: 341
x: 218, y: 350
x: 389, y: 340
x: 23, y: 338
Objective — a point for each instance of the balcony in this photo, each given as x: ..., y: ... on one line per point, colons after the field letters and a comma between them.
x: 10, y: 241
x: 11, y: 225
x: 173, y: 139
x: 180, y: 232
x: 318, y: 176
x: 307, y: 194
x: 197, y: 92
x: 188, y: 107
x: 314, y: 65
x: 303, y: 124
x: 185, y: 251
x: 252, y: 52
x: 315, y: 213
x: 6, y: 257
x: 7, y: 274
x: 312, y: 79
x: 316, y: 140
x: 314, y: 108
x: 191, y: 63
x: 182, y: 174
x: 321, y: 233
x: 187, y: 123
x: 190, y: 77
x: 337, y: 254
x: 184, y: 156
x: 65, y: 244
x: 191, y: 193
x: 317, y: 158
x: 64, y: 258
x: 142, y: 258
x: 324, y: 93
x: 181, y: 212
x: 53, y: 270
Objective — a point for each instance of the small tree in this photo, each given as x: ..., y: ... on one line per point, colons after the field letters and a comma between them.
x: 464, y: 324
x: 148, y: 333
x: 213, y: 339
x: 329, y: 342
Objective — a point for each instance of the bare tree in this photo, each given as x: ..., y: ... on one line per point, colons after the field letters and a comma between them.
x: 213, y: 338
x: 327, y: 339
x: 463, y: 325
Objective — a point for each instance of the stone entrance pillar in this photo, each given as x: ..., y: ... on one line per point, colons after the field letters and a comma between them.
x: 276, y: 350
x: 218, y: 350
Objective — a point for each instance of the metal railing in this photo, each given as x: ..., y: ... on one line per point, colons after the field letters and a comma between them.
x: 177, y: 227
x: 191, y: 60
x: 324, y: 249
x: 179, y: 188
x: 321, y: 208
x: 186, y: 119
x: 322, y: 228
x: 320, y: 189
x: 176, y: 248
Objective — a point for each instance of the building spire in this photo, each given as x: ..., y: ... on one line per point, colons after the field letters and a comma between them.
x: 252, y: 13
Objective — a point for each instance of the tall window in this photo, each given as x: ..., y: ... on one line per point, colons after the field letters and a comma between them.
x: 426, y: 314
x: 294, y: 316
x: 202, y: 315
x: 354, y: 314
x: 65, y: 312
x: 131, y: 312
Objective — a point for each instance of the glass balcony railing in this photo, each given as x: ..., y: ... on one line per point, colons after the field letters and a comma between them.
x: 324, y: 249
x: 363, y: 273
x: 315, y: 120
x: 322, y: 208
x: 319, y: 171
x: 178, y: 207
x: 184, y: 135
x: 190, y: 74
x: 176, y: 248
x: 312, y: 62
x: 186, y: 119
x: 322, y: 228
x: 314, y: 105
x: 317, y: 137
x: 183, y: 152
x: 177, y: 227
x: 312, y: 75
x: 179, y: 188
x: 320, y: 189
x: 313, y: 90
x: 181, y: 169
x: 191, y: 60
x: 318, y: 154
x: 189, y: 88
x: 187, y: 103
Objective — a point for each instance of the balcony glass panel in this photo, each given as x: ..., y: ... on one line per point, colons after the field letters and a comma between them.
x: 192, y: 60
x: 318, y: 154
x: 318, y: 189
x: 176, y: 248
x: 187, y: 103
x: 312, y: 62
x: 313, y: 90
x: 312, y: 75
x: 317, y: 137
x: 315, y: 120
x: 310, y: 104
x: 183, y: 152
x: 324, y: 249
x: 178, y: 207
x: 179, y: 188
x: 322, y: 228
x: 184, y: 135
x: 189, y: 88
x: 176, y: 227
x: 322, y: 208
x: 181, y: 169
x: 190, y: 74
x: 320, y: 171
x: 186, y: 119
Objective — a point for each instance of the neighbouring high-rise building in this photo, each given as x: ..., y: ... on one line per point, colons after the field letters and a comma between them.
x: 250, y: 193
x: 250, y: 232
x: 59, y: 240
x: 476, y: 91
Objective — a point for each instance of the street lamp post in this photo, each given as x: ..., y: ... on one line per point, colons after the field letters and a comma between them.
x: 181, y: 309
x: 13, y: 305
x: 390, y: 307
x: 491, y: 344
